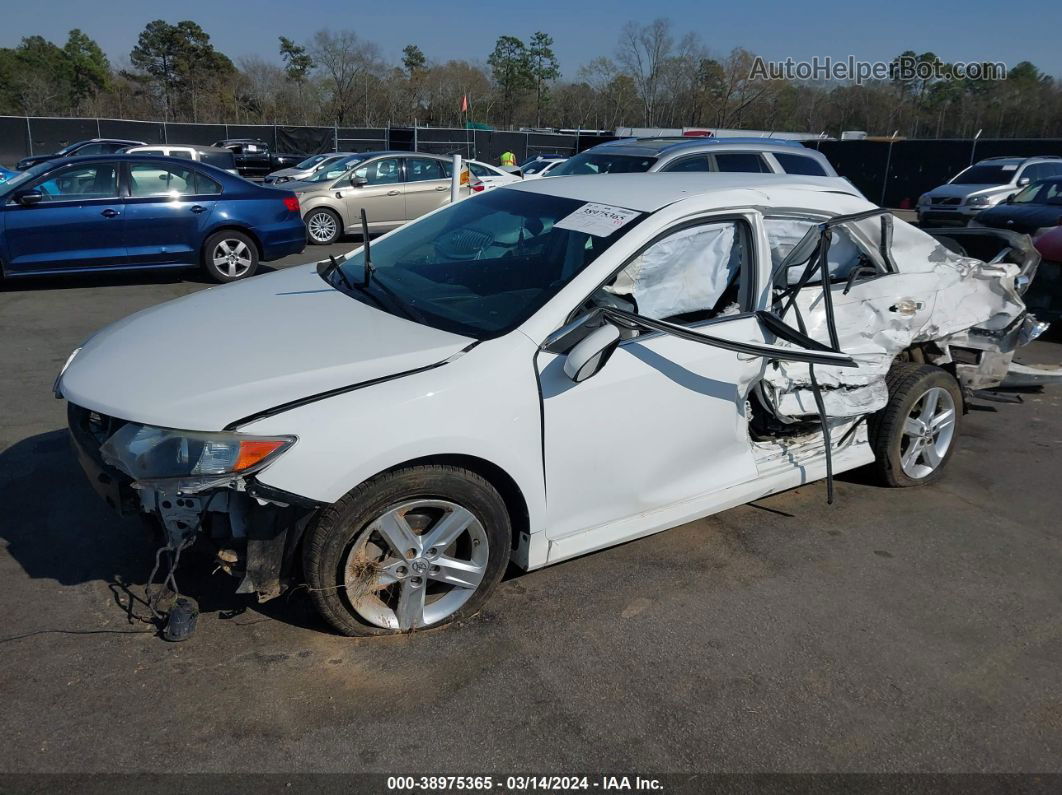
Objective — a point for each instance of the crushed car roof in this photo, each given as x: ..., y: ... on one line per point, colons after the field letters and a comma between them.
x: 650, y: 192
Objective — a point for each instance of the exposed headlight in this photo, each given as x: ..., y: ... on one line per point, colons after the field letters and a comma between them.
x: 58, y: 378
x: 282, y: 179
x: 194, y: 459
x: 923, y: 200
x: 978, y: 201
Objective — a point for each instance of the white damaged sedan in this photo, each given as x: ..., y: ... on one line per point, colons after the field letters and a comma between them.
x: 535, y: 373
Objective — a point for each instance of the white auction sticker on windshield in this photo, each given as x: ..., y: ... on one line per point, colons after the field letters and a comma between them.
x: 600, y: 220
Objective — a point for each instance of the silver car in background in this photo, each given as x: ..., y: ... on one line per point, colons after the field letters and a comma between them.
x: 740, y: 155
x: 392, y: 188
x: 983, y: 185
x: 310, y: 166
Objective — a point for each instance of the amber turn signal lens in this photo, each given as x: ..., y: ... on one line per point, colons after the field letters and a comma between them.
x: 253, y: 452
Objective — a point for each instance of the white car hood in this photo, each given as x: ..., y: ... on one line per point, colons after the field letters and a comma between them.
x: 206, y: 360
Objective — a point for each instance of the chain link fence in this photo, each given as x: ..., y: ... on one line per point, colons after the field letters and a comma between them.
x: 21, y: 136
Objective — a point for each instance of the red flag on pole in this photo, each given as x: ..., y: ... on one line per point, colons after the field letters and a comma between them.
x: 464, y: 103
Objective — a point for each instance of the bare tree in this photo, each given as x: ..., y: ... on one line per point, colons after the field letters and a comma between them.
x: 347, y: 63
x: 615, y: 95
x: 642, y: 52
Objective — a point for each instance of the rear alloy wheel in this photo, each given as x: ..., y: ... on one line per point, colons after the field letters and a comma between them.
x: 408, y: 550
x: 322, y: 227
x: 917, y: 432
x: 229, y: 256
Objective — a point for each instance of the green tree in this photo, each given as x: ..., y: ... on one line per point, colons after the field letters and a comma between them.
x: 543, y: 66
x: 40, y: 86
x: 87, y: 67
x: 297, y: 62
x: 511, y: 71
x: 415, y: 67
x: 182, y: 62
x: 413, y: 61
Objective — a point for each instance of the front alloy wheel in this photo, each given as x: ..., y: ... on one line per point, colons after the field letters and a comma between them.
x: 416, y: 564
x: 409, y: 549
x: 322, y: 227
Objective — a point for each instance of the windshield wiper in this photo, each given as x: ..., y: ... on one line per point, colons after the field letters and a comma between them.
x: 400, y: 304
x: 366, y: 247
x: 363, y: 287
x: 325, y: 270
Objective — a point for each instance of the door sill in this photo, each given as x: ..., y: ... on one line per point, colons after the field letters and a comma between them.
x: 787, y: 475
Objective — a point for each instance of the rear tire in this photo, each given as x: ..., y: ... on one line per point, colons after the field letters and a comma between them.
x: 229, y: 256
x: 323, y: 226
x: 412, y: 549
x: 917, y: 432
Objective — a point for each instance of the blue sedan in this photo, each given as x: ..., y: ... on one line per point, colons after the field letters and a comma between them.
x: 122, y: 212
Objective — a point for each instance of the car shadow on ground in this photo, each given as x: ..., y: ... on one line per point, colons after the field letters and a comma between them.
x: 56, y: 528
x: 101, y: 278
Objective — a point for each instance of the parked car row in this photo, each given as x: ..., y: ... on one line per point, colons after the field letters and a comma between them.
x: 1017, y: 194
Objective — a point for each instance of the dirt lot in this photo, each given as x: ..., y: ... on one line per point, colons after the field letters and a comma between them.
x: 894, y: 631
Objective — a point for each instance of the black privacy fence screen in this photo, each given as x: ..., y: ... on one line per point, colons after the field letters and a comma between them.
x: 21, y: 136
x: 889, y: 173
x: 895, y: 173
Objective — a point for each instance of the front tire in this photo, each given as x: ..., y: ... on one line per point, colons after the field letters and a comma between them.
x: 411, y: 549
x: 323, y: 226
x: 229, y: 256
x: 917, y: 432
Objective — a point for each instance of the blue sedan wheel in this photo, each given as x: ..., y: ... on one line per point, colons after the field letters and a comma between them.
x: 229, y: 255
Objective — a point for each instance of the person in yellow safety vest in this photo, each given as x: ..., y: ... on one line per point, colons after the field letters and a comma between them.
x: 508, y: 159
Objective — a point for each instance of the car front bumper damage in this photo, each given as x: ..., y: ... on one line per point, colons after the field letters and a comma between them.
x: 256, y: 529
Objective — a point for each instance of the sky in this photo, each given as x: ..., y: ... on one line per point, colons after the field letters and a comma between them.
x: 975, y: 30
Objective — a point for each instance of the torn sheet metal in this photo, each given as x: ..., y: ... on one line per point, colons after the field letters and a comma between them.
x: 935, y: 296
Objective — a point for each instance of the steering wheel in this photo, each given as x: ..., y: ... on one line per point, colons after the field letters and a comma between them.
x: 463, y: 244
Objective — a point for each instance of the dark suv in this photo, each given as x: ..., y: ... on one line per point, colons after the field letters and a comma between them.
x: 93, y: 146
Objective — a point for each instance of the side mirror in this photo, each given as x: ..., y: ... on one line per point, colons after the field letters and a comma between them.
x: 359, y: 182
x: 1023, y: 181
x: 1010, y: 198
x: 30, y: 197
x: 591, y: 353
